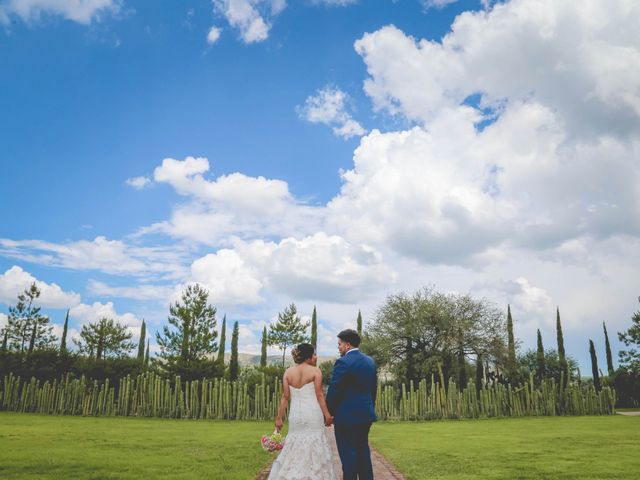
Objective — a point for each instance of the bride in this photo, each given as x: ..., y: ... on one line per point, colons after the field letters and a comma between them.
x: 306, y: 454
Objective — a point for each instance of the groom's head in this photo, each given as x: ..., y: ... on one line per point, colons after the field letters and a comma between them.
x: 348, y: 339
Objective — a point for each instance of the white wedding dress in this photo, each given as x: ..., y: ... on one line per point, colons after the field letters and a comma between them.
x: 306, y: 454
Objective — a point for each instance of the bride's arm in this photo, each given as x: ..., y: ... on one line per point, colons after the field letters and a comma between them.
x: 317, y: 382
x: 284, y: 401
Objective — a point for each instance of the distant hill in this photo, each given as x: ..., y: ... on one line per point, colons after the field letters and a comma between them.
x: 250, y: 359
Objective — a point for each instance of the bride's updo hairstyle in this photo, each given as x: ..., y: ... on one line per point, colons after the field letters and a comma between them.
x: 302, y: 352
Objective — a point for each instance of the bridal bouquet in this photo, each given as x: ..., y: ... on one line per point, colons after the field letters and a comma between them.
x: 272, y: 443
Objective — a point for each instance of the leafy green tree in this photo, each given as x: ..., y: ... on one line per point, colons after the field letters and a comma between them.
x: 359, y: 323
x: 411, y: 335
x: 143, y: 335
x: 528, y: 363
x: 630, y: 358
x: 263, y: 353
x: 314, y: 327
x: 105, y: 338
x: 288, y: 331
x: 607, y: 347
x: 63, y: 341
x: 511, y: 366
x: 594, y: 365
x: 564, y: 366
x: 540, y: 370
x: 26, y: 328
x: 223, y: 340
x: 146, y: 355
x: 233, y: 363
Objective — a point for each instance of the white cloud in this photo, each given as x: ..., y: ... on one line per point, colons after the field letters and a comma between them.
x: 437, y: 4
x: 86, y: 313
x: 3, y: 320
x: 328, y: 106
x: 109, y: 256
x: 214, y: 35
x: 138, y: 182
x: 80, y: 11
x: 15, y: 280
x: 137, y: 292
x: 248, y: 16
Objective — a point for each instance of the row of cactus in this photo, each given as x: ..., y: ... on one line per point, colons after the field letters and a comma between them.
x: 149, y: 395
x: 494, y: 399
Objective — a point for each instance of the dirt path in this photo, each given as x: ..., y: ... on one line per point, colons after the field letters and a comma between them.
x: 382, y: 468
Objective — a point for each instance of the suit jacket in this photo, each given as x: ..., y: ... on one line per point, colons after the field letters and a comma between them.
x: 352, y: 390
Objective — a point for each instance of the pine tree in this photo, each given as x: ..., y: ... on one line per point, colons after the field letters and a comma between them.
x: 26, y: 326
x: 263, y: 354
x: 540, y: 358
x: 289, y: 330
x: 562, y: 358
x: 594, y: 365
x: 63, y: 341
x: 106, y: 338
x: 143, y: 335
x: 629, y: 359
x: 223, y: 340
x: 359, y: 323
x: 512, y: 369
x: 314, y: 328
x: 146, y: 355
x: 607, y: 347
x: 233, y: 363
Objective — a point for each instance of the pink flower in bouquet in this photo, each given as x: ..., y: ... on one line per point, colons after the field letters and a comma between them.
x: 272, y: 443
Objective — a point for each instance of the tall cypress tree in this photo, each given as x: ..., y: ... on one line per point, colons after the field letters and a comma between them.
x: 233, y: 363
x: 540, y: 358
x: 359, y: 323
x: 314, y: 328
x: 63, y: 341
x: 562, y: 358
x: 594, y: 365
x: 608, y: 349
x: 512, y: 369
x: 263, y: 353
x: 223, y: 339
x: 143, y: 335
x: 5, y: 339
x: 479, y: 372
x: 146, y: 355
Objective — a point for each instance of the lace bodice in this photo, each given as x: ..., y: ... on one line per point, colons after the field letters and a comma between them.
x: 307, y: 452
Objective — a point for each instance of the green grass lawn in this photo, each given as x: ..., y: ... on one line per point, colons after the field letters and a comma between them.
x: 37, y: 447
x: 546, y: 448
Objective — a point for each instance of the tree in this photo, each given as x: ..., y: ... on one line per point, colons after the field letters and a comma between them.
x: 26, y: 328
x: 143, y: 335
x: 528, y: 363
x: 411, y: 335
x: 146, y: 355
x: 190, y: 338
x: 359, y: 323
x: 5, y: 339
x: 289, y: 330
x: 63, y: 342
x: 314, y: 327
x: 263, y: 353
x: 630, y: 357
x: 540, y: 370
x: 607, y: 347
x: 479, y: 372
x: 511, y: 366
x: 223, y: 340
x: 233, y: 363
x: 594, y: 365
x: 105, y: 338
x: 564, y: 366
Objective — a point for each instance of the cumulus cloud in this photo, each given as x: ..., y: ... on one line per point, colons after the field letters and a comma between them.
x: 213, y: 35
x: 138, y: 182
x: 15, y: 280
x: 135, y: 292
x: 329, y: 107
x: 85, y: 313
x: 80, y: 11
x: 250, y: 17
x: 109, y: 256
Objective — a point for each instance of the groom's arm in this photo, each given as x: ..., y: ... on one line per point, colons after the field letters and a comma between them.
x: 336, y: 387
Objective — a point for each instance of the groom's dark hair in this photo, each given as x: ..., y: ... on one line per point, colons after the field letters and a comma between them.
x: 350, y: 336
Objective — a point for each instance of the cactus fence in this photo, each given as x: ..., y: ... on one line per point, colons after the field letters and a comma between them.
x: 149, y: 395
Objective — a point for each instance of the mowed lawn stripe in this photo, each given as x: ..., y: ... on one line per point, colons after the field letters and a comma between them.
x: 550, y: 448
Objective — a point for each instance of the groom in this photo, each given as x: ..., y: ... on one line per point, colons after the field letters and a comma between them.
x: 351, y: 399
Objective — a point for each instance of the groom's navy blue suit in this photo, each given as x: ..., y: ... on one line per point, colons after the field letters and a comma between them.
x: 351, y: 399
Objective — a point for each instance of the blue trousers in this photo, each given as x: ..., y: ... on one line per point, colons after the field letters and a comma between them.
x: 353, y: 448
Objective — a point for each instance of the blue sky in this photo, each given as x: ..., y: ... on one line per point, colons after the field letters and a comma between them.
x: 322, y: 152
